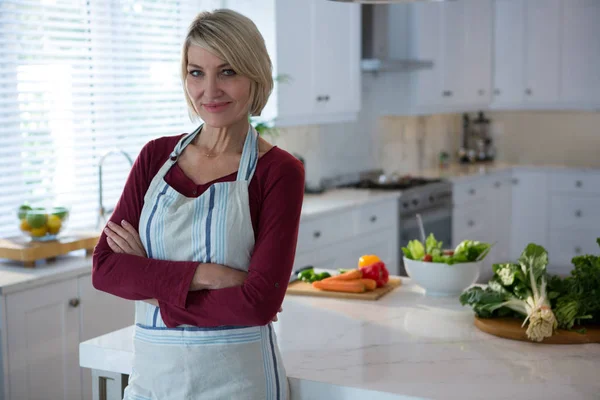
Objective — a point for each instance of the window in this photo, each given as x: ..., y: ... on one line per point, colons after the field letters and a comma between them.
x: 77, y: 79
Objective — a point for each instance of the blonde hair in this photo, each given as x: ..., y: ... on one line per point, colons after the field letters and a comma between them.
x: 234, y: 38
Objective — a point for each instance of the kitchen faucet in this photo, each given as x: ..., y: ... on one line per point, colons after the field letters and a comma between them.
x: 103, y: 212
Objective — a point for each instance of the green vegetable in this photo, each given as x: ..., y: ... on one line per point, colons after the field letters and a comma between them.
x: 466, y: 251
x: 414, y: 250
x: 309, y: 275
x: 517, y: 288
x: 470, y: 250
x: 577, y: 297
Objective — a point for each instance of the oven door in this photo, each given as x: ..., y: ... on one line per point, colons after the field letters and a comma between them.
x: 436, y: 220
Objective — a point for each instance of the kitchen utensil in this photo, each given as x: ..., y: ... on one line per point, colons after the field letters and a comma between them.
x: 510, y: 328
x: 439, y: 279
x: 421, y: 228
x: 300, y: 288
x: 28, y: 252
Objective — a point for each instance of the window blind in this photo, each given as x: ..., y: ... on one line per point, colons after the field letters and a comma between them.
x: 77, y: 79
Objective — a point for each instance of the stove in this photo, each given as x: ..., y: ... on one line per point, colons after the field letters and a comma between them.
x: 431, y: 198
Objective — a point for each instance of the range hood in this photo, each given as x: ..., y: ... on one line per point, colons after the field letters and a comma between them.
x: 386, y: 39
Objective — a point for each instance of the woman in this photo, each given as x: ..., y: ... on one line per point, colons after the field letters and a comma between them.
x: 217, y: 213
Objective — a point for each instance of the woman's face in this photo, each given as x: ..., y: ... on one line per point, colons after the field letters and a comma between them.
x: 220, y: 96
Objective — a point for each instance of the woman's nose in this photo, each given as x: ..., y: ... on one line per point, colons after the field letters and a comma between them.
x: 212, y: 88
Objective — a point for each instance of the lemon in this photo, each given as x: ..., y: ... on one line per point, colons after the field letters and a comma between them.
x: 39, y: 232
x: 36, y: 218
x: 24, y: 225
x: 54, y: 224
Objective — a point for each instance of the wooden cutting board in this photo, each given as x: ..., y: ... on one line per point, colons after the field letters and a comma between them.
x: 300, y: 288
x: 510, y: 328
x: 20, y: 248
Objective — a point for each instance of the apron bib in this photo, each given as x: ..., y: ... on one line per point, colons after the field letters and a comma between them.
x: 189, y: 362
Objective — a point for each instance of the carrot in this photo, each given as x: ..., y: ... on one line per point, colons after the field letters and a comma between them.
x: 347, y: 276
x: 370, y: 284
x: 354, y: 286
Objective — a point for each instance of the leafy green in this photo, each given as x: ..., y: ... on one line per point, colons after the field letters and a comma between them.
x: 470, y: 250
x: 414, y: 250
x: 466, y: 251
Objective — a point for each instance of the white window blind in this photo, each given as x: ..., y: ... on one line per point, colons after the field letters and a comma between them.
x: 77, y: 79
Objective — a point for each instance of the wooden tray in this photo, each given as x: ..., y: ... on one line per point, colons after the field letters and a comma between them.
x: 510, y: 328
x: 300, y: 288
x: 20, y: 248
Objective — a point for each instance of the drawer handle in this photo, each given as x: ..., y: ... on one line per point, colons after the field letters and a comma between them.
x: 579, y: 184
x: 74, y: 302
x: 515, y: 181
x: 577, y: 250
x: 578, y: 213
x: 497, y: 184
x: 447, y: 93
x: 471, y: 192
x: 317, y: 234
x: 373, y: 218
x: 471, y: 223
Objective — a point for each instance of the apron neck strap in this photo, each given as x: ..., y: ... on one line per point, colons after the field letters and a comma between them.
x: 249, y: 156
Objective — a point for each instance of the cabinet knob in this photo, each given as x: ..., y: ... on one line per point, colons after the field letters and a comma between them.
x: 578, y: 213
x: 471, y: 192
x: 528, y: 92
x: 578, y: 184
x: 447, y: 93
x: 577, y: 250
x: 373, y: 218
x: 74, y: 302
x: 496, y: 92
x: 471, y: 223
x: 327, y: 98
x: 514, y: 181
x: 481, y: 92
x: 317, y: 234
x: 320, y: 98
x: 497, y: 184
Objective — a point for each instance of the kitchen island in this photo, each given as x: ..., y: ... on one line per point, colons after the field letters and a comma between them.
x: 404, y: 346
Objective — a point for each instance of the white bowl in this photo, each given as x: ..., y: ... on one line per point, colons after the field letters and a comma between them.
x: 440, y: 279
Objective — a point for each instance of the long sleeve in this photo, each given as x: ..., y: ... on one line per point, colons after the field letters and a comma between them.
x: 257, y: 301
x: 133, y: 277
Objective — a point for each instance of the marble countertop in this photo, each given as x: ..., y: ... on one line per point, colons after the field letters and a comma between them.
x: 340, y: 199
x: 405, y: 345
x: 458, y: 172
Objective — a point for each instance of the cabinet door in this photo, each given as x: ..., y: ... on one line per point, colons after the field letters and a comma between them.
x: 500, y: 208
x: 335, y: 39
x: 383, y: 243
x: 542, y: 61
x: 427, y: 45
x: 529, y: 211
x: 580, y: 56
x: 101, y: 313
x: 454, y: 51
x: 43, y: 342
x: 294, y: 58
x: 509, y: 51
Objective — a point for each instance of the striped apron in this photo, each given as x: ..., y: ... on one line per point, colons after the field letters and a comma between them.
x: 189, y: 362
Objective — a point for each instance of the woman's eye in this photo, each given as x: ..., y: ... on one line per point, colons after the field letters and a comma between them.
x: 195, y: 73
x: 228, y: 72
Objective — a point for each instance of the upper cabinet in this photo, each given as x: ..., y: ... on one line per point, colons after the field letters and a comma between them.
x: 315, y: 49
x: 457, y: 37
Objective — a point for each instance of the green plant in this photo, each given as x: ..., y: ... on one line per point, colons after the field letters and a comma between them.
x: 267, y: 128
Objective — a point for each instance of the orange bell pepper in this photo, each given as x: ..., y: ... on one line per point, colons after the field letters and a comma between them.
x: 367, y: 259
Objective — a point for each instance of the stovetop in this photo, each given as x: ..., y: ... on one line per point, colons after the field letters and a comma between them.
x: 403, y: 183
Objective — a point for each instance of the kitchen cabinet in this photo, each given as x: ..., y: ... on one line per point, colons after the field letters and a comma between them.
x: 526, y: 52
x: 315, y: 45
x: 44, y: 326
x: 337, y: 239
x: 457, y: 37
x: 580, y: 52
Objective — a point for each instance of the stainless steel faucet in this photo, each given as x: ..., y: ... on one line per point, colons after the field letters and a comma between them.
x: 103, y: 212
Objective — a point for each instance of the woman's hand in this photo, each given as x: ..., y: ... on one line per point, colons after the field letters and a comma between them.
x: 275, y: 317
x: 216, y: 276
x: 124, y: 239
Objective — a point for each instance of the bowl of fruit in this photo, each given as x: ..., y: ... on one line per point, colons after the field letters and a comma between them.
x: 444, y: 272
x: 42, y: 223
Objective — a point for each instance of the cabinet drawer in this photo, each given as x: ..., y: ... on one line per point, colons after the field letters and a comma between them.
x: 328, y: 229
x: 470, y: 223
x: 583, y: 182
x: 566, y: 244
x: 569, y: 211
x: 372, y: 217
x: 469, y: 192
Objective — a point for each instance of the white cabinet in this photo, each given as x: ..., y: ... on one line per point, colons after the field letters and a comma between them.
x: 44, y: 326
x: 457, y: 37
x: 315, y: 44
x: 580, y: 55
x: 529, y: 211
x: 337, y: 239
x: 526, y: 52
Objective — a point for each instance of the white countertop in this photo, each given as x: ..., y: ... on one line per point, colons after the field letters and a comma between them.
x: 340, y: 199
x: 405, y: 345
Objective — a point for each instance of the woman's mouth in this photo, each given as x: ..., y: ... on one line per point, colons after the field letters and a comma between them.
x: 215, y: 107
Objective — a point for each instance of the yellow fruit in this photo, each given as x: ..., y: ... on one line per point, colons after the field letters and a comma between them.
x: 39, y: 232
x: 25, y: 226
x: 54, y: 224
